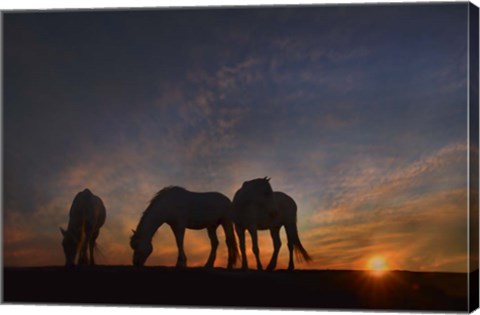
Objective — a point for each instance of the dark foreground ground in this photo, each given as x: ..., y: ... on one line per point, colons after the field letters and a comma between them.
x: 219, y: 287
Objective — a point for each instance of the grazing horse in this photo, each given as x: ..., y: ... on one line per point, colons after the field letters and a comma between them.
x: 87, y: 216
x: 258, y: 207
x: 182, y: 209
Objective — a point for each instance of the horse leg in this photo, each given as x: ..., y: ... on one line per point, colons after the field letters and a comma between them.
x: 93, y: 239
x: 231, y: 243
x: 179, y: 235
x: 256, y: 251
x: 83, y: 257
x: 212, y: 234
x: 290, y: 238
x: 241, y: 240
x: 88, y: 230
x: 277, y: 243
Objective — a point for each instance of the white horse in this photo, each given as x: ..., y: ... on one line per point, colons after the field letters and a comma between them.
x: 87, y: 216
x: 258, y: 207
x: 182, y: 209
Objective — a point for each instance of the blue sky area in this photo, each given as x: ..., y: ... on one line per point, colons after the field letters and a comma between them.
x: 358, y: 112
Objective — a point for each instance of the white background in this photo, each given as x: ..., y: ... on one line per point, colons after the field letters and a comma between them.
x: 72, y: 4
x: 48, y: 4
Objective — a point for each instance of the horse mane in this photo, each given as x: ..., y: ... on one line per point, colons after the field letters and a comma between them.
x: 260, y: 179
x: 159, y: 195
x: 264, y: 180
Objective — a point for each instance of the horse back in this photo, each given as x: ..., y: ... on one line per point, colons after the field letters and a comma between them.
x: 216, y: 198
x: 287, y: 208
x: 189, y: 199
x: 210, y: 202
x: 99, y: 212
x: 87, y: 210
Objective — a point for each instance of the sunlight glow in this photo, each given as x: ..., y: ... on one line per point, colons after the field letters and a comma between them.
x: 377, y: 264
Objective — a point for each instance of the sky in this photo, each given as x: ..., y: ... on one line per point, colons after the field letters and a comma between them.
x: 357, y: 112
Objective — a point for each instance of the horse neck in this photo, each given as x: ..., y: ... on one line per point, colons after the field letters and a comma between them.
x: 151, y: 220
x: 76, y: 224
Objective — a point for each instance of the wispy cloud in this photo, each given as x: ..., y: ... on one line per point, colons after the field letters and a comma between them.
x: 397, y: 213
x: 360, y: 120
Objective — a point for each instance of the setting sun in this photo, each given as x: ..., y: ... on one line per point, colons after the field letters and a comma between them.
x: 378, y: 264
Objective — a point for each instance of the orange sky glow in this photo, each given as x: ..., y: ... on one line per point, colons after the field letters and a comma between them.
x: 337, y: 238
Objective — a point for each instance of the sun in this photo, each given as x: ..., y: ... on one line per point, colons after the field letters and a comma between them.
x: 377, y: 264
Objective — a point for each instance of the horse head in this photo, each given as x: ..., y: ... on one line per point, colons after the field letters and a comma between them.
x: 142, y: 248
x: 70, y: 246
x: 256, y: 193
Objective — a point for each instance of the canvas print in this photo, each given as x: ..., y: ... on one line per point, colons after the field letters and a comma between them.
x: 306, y: 157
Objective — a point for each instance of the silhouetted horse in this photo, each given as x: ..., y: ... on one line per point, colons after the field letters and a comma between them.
x: 182, y: 209
x: 258, y: 207
x: 87, y: 216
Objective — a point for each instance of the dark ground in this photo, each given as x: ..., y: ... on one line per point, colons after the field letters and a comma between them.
x: 121, y: 285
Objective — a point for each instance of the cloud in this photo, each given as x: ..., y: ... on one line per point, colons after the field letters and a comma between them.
x: 359, y: 124
x: 382, y: 213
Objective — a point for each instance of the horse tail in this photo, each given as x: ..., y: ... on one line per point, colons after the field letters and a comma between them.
x: 98, y: 250
x: 301, y: 253
x: 233, y: 253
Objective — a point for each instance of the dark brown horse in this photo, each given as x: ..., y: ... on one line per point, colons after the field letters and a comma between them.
x: 87, y: 216
x: 258, y: 207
